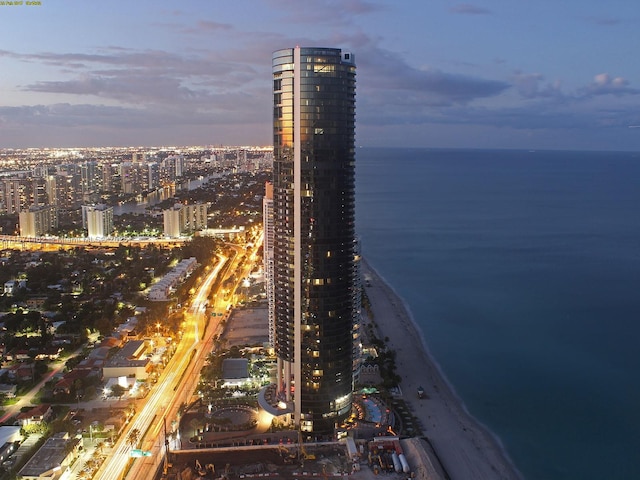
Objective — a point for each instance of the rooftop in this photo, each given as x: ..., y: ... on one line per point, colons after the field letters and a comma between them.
x: 49, y: 457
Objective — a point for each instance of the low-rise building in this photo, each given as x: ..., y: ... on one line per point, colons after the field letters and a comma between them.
x: 235, y: 372
x: 36, y: 415
x: 11, y: 286
x: 53, y: 459
x: 129, y: 362
x: 66, y: 384
x: 164, y: 288
x: 8, y: 390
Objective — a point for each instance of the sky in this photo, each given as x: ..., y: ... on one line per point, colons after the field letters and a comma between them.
x: 543, y: 74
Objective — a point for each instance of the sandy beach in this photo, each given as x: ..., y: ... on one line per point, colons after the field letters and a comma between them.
x: 465, y: 448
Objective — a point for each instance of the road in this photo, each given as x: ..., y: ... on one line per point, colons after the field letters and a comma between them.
x: 7, y: 241
x: 25, y: 400
x: 165, y: 398
x: 179, y: 379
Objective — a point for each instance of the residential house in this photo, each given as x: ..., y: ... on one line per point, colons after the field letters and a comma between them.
x: 36, y: 415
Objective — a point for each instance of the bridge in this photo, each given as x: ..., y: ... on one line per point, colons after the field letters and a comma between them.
x: 44, y: 243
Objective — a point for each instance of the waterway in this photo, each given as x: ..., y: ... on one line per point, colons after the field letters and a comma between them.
x: 161, y: 195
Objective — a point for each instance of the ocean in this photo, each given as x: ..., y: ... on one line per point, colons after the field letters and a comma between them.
x: 522, y: 270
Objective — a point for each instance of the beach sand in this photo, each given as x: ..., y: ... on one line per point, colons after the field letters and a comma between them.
x: 465, y: 448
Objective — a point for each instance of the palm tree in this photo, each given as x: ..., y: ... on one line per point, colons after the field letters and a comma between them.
x: 133, y: 437
x: 196, y: 423
x: 98, y: 450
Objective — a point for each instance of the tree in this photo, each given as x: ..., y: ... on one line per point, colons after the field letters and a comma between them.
x: 90, y: 392
x: 118, y: 390
x: 196, y: 423
x: 203, y: 248
x: 133, y: 438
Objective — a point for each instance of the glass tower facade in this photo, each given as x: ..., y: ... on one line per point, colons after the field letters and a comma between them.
x: 314, y: 241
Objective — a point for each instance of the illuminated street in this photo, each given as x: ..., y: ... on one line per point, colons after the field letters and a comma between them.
x: 54, y: 243
x: 178, y: 380
x: 174, y: 387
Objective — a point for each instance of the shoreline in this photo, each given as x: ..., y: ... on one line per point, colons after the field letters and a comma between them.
x: 465, y: 447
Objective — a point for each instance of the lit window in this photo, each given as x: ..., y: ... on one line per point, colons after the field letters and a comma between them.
x: 324, y: 68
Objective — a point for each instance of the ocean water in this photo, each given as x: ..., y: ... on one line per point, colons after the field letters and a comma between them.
x: 522, y: 269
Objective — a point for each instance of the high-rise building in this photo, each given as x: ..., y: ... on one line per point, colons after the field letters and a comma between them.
x: 110, y: 178
x: 193, y: 217
x: 181, y: 219
x: 89, y: 177
x: 126, y: 178
x: 68, y: 190
x: 171, y: 219
x: 52, y: 190
x: 153, y: 177
x: 38, y: 220
x: 15, y: 195
x: 69, y: 185
x: 314, y: 241
x: 98, y: 220
x: 39, y: 192
x: 267, y: 255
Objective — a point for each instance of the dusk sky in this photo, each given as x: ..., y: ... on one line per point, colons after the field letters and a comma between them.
x: 542, y: 74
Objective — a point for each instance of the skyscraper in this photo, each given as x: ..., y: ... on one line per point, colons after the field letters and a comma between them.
x: 184, y: 219
x: 267, y: 255
x: 314, y: 241
x: 98, y: 220
x: 38, y: 220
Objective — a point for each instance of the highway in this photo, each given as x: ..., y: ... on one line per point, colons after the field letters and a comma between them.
x: 11, y: 241
x: 174, y: 387
x: 179, y: 379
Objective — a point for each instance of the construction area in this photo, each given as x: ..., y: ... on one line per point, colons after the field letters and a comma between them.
x: 362, y: 460
x: 230, y: 439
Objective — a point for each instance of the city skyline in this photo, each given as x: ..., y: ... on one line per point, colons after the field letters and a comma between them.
x: 450, y: 74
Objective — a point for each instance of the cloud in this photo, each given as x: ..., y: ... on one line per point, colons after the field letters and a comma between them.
x: 468, y: 9
x: 543, y: 115
x: 389, y: 77
x: 149, y: 77
x: 607, y: 102
x: 605, y: 84
x: 67, y: 115
x: 389, y: 72
x: 151, y: 62
x: 332, y: 12
x: 72, y: 125
x: 534, y: 86
x: 75, y: 115
x: 604, y: 21
x: 205, y: 26
x: 155, y: 89
x: 530, y: 85
x: 128, y: 90
x: 135, y: 89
